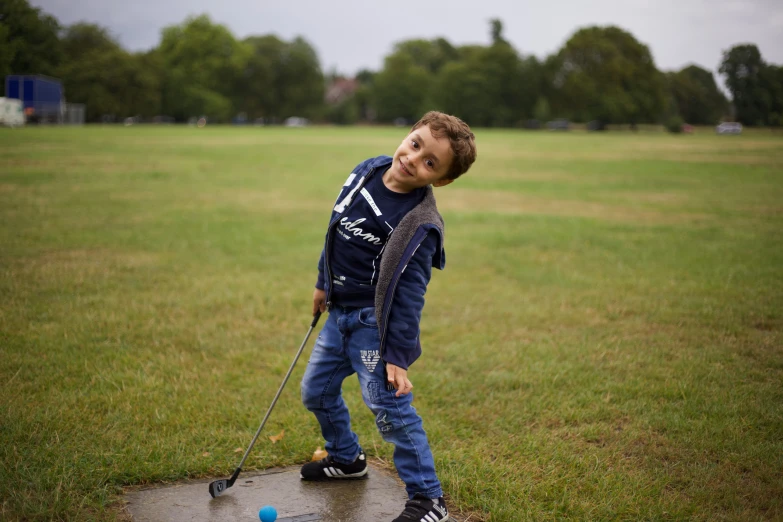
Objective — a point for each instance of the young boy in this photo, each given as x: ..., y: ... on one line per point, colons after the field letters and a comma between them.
x: 383, y: 239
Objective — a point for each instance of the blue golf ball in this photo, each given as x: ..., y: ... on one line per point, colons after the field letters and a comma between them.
x: 267, y: 514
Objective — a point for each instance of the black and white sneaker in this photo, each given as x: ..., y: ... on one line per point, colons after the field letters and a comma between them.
x: 327, y: 468
x: 422, y: 509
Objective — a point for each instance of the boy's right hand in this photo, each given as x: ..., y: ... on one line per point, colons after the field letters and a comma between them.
x: 319, y: 301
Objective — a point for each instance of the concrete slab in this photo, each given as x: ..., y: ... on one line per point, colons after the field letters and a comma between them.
x: 380, y: 497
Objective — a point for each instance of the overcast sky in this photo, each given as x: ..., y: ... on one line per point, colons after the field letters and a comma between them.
x: 353, y: 34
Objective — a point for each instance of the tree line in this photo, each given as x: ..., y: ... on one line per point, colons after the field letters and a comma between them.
x: 601, y: 75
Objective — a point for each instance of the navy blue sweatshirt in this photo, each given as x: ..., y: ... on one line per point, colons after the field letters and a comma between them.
x: 360, y: 238
x: 399, y: 267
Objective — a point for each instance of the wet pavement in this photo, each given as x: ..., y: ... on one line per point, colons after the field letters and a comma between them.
x: 380, y: 497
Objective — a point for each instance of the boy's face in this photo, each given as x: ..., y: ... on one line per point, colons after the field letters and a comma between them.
x: 420, y: 160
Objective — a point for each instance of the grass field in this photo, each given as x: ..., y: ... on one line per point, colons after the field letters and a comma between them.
x: 606, y: 342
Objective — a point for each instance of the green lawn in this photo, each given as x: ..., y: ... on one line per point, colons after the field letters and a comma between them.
x: 606, y: 342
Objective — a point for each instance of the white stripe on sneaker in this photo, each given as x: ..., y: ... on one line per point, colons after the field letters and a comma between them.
x: 337, y: 473
x: 434, y: 516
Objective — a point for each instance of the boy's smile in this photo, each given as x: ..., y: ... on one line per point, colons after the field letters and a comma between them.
x: 420, y: 160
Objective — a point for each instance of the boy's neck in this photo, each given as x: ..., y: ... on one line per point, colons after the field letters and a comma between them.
x: 389, y: 184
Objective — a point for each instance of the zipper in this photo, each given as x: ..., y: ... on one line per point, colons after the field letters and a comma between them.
x: 330, y: 236
x: 418, y: 238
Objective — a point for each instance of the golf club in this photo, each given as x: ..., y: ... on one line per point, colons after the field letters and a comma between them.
x: 217, y: 487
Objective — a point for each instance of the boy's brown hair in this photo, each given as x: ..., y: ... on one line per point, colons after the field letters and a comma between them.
x: 463, y: 142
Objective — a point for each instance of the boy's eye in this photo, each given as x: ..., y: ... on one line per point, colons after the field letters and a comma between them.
x: 415, y: 144
x: 430, y: 164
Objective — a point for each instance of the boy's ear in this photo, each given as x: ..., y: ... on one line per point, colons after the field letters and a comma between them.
x: 442, y: 182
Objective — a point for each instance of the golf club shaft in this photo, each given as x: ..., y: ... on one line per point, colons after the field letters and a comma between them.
x: 280, y: 390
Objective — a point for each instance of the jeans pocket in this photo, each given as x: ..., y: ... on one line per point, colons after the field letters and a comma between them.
x: 367, y: 317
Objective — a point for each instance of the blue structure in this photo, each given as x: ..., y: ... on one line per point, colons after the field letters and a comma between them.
x: 43, y: 97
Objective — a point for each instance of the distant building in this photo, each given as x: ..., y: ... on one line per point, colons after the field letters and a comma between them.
x: 340, y: 90
x: 42, y: 97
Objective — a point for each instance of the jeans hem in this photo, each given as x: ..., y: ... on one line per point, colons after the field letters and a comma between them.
x: 430, y: 493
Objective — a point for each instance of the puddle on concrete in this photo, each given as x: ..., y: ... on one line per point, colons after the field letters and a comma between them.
x: 380, y: 497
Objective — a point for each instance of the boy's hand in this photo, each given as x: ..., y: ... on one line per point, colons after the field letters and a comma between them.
x: 399, y: 378
x: 319, y: 301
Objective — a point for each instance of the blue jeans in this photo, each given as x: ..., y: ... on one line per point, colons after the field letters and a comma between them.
x: 348, y: 344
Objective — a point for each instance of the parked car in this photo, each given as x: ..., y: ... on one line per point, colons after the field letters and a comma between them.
x: 11, y: 113
x: 559, y: 124
x: 729, y: 127
x: 296, y: 121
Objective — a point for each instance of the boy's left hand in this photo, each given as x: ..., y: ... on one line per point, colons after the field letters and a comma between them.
x: 399, y: 378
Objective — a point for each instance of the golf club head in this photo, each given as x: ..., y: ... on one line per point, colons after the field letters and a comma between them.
x: 217, y: 487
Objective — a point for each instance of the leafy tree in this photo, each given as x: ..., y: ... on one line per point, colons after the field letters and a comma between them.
x: 29, y: 42
x: 7, y: 52
x: 551, y: 82
x: 146, y: 71
x: 510, y: 79
x: 301, y: 81
x: 489, y: 86
x: 531, y: 85
x: 199, y: 68
x: 81, y: 39
x: 96, y: 71
x: 496, y: 31
x: 772, y: 80
x: 756, y: 87
x: 501, y: 67
x: 201, y: 62
x: 468, y: 52
x: 365, y: 77
x: 402, y: 88
x: 259, y: 87
x: 465, y: 90
x: 483, y: 85
x: 280, y: 79
x: 364, y: 95
x: 91, y: 80
x: 431, y: 55
x: 742, y: 67
x: 606, y: 74
x: 696, y: 96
